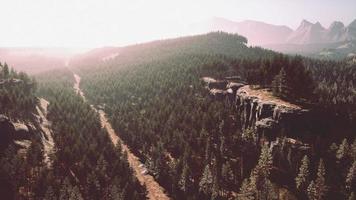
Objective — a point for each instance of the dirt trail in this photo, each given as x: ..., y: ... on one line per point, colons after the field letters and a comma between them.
x: 47, y: 139
x: 155, y: 191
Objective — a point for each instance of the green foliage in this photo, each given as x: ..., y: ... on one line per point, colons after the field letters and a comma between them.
x: 320, y: 183
x: 351, y: 177
x: 17, y: 94
x: 206, y: 181
x: 343, y: 150
x: 259, y: 185
x: 312, y: 191
x: 302, y: 179
x: 84, y: 149
x: 279, y: 84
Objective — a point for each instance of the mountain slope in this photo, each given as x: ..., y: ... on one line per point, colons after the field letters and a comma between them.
x: 258, y: 33
x: 307, y: 33
x: 34, y: 60
x: 310, y: 39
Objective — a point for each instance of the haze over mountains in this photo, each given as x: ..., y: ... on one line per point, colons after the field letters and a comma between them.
x: 261, y: 33
x: 306, y: 39
x: 311, y: 39
x: 309, y: 33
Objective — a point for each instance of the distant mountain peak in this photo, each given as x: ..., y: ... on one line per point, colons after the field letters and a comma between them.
x: 336, y: 25
x: 317, y: 24
x: 305, y: 23
x: 262, y: 33
x: 352, y: 24
x: 257, y: 32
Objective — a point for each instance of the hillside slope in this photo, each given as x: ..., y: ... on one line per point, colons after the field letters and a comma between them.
x: 153, y: 96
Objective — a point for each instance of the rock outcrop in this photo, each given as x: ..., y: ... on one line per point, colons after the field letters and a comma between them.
x: 281, y: 124
x: 269, y: 115
x: 14, y: 132
x: 20, y: 134
x: 259, y: 109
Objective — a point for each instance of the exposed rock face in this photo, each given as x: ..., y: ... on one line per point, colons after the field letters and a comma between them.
x: 271, y: 116
x: 279, y: 123
x: 6, y: 132
x: 20, y: 134
x: 219, y: 89
x: 14, y: 132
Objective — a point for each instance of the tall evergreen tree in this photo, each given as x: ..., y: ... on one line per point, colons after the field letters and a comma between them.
x: 280, y: 84
x: 206, y: 181
x: 184, y: 181
x: 351, y: 177
x: 312, y: 191
x: 50, y: 195
x: 320, y: 183
x: 301, y: 181
x: 343, y: 150
x: 247, y: 191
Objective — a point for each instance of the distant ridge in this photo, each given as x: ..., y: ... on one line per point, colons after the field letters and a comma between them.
x: 309, y: 38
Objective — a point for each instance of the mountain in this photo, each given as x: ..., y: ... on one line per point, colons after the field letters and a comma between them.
x: 308, y: 39
x: 258, y: 33
x: 351, y: 31
x: 335, y: 31
x: 307, y: 33
x: 35, y: 60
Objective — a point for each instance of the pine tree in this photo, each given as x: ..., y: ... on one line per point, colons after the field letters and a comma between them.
x: 320, y: 183
x: 206, y: 181
x: 227, y: 175
x: 353, y: 150
x: 215, y: 189
x: 49, y: 195
x: 247, y: 191
x: 74, y: 194
x: 343, y: 150
x: 6, y: 71
x: 115, y: 193
x: 301, y: 181
x: 351, y: 177
x: 184, y: 181
x: 67, y: 191
x: 280, y: 84
x: 259, y: 182
x: 312, y: 192
x: 266, y: 160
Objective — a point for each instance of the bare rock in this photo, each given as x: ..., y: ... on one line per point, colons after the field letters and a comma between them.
x: 21, y: 132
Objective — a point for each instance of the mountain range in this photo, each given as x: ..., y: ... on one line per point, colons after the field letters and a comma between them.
x: 308, y: 38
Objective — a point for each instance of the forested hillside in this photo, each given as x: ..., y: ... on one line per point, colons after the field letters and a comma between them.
x: 194, y: 145
x: 17, y: 107
x: 86, y: 163
x: 16, y: 93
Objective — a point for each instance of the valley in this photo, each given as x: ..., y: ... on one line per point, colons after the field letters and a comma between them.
x: 178, y: 100
x: 196, y: 117
x: 155, y: 191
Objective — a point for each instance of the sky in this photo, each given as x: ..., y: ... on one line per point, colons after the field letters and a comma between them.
x: 96, y: 23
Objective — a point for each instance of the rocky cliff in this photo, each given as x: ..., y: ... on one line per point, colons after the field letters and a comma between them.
x: 259, y: 109
x: 282, y: 124
x: 22, y: 133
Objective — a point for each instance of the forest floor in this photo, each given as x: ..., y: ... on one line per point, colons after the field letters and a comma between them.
x: 155, y: 191
x: 47, y: 139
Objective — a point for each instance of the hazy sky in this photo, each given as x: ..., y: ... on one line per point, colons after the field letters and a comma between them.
x: 93, y: 23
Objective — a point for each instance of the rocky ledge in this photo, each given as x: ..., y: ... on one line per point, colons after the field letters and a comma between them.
x: 270, y: 115
x: 15, y: 132
x: 259, y: 109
